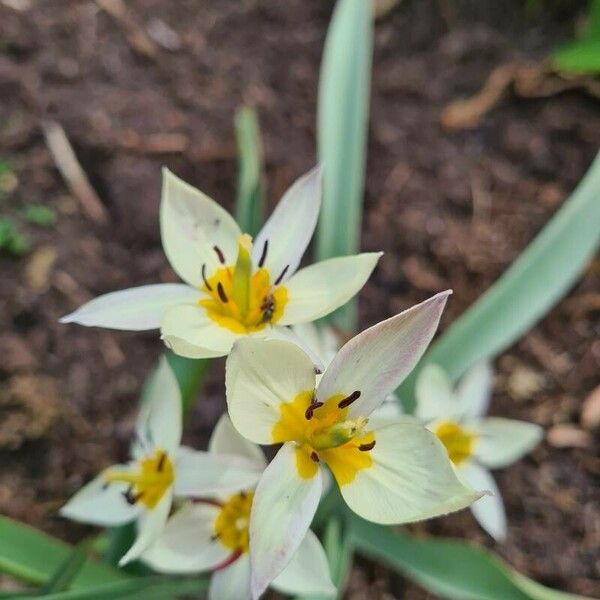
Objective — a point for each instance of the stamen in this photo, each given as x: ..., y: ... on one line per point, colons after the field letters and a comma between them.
x: 208, y: 286
x: 314, y: 456
x: 132, y: 498
x: 215, y: 537
x: 210, y: 501
x: 222, y: 294
x: 263, y: 256
x: 219, y: 254
x: 279, y: 279
x: 367, y: 447
x: 161, y: 462
x: 308, y: 414
x: 349, y: 400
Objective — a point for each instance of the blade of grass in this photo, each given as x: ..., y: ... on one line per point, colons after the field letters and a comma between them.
x: 530, y: 287
x: 343, y: 112
x: 66, y: 573
x: 448, y: 568
x: 250, y: 205
x: 35, y: 557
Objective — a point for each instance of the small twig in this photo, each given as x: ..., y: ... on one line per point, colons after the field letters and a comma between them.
x: 72, y: 172
x: 137, y: 37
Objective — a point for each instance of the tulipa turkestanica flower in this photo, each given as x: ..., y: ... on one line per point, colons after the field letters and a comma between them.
x: 388, y: 470
x: 211, y: 534
x: 474, y: 443
x: 143, y: 489
x: 234, y: 286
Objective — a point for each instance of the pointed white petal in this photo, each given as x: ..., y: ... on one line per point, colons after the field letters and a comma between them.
x: 99, y: 504
x: 159, y: 422
x: 377, y: 360
x: 475, y: 389
x: 150, y: 525
x: 225, y: 440
x: 232, y: 582
x: 288, y: 334
x: 134, y: 309
x: 501, y: 442
x: 188, y: 331
x: 283, y: 508
x: 207, y: 474
x: 435, y: 398
x: 186, y: 545
x: 191, y: 225
x: 489, y: 510
x: 308, y: 571
x: 410, y: 478
x: 289, y: 229
x: 315, y: 291
x: 259, y: 376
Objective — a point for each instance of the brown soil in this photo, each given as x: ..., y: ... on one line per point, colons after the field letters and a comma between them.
x: 449, y: 210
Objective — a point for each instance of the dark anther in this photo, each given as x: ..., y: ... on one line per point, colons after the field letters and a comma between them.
x: 314, y: 456
x: 132, y: 498
x: 208, y: 287
x: 318, y: 371
x: 367, y: 447
x: 222, y: 294
x: 278, y: 280
x: 243, y: 495
x: 349, y: 400
x: 219, y: 254
x: 263, y: 256
x: 308, y: 414
x: 215, y: 537
x: 161, y: 462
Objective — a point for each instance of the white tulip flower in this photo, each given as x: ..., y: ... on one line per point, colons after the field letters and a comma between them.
x: 474, y: 443
x: 393, y: 472
x: 233, y: 287
x: 211, y: 534
x: 161, y: 469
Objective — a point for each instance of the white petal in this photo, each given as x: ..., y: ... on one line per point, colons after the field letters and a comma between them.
x: 159, y: 423
x: 100, y: 504
x: 501, y: 442
x: 259, y: 376
x: 308, y: 571
x: 283, y: 508
x: 186, y: 545
x: 225, y: 440
x: 206, y: 474
x: 232, y: 582
x: 149, y: 527
x: 188, y: 331
x: 315, y: 291
x: 288, y: 334
x: 410, y: 479
x: 377, y: 360
x: 435, y: 397
x: 475, y: 389
x: 134, y: 309
x: 289, y: 229
x: 191, y: 225
x: 489, y: 510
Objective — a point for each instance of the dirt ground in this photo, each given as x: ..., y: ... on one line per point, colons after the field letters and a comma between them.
x: 450, y: 209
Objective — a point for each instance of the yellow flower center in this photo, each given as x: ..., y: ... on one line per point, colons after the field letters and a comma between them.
x: 231, y: 524
x: 239, y: 298
x: 148, y: 484
x: 457, y: 440
x: 323, y: 432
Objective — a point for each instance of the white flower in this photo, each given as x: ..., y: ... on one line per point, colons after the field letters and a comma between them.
x: 143, y: 489
x: 233, y: 288
x: 212, y: 534
x: 474, y: 443
x: 393, y: 472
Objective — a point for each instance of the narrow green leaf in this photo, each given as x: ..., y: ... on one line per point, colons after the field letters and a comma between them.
x: 67, y: 571
x: 343, y: 112
x: 250, y: 205
x: 141, y: 588
x: 449, y: 568
x: 531, y: 286
x: 35, y: 557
